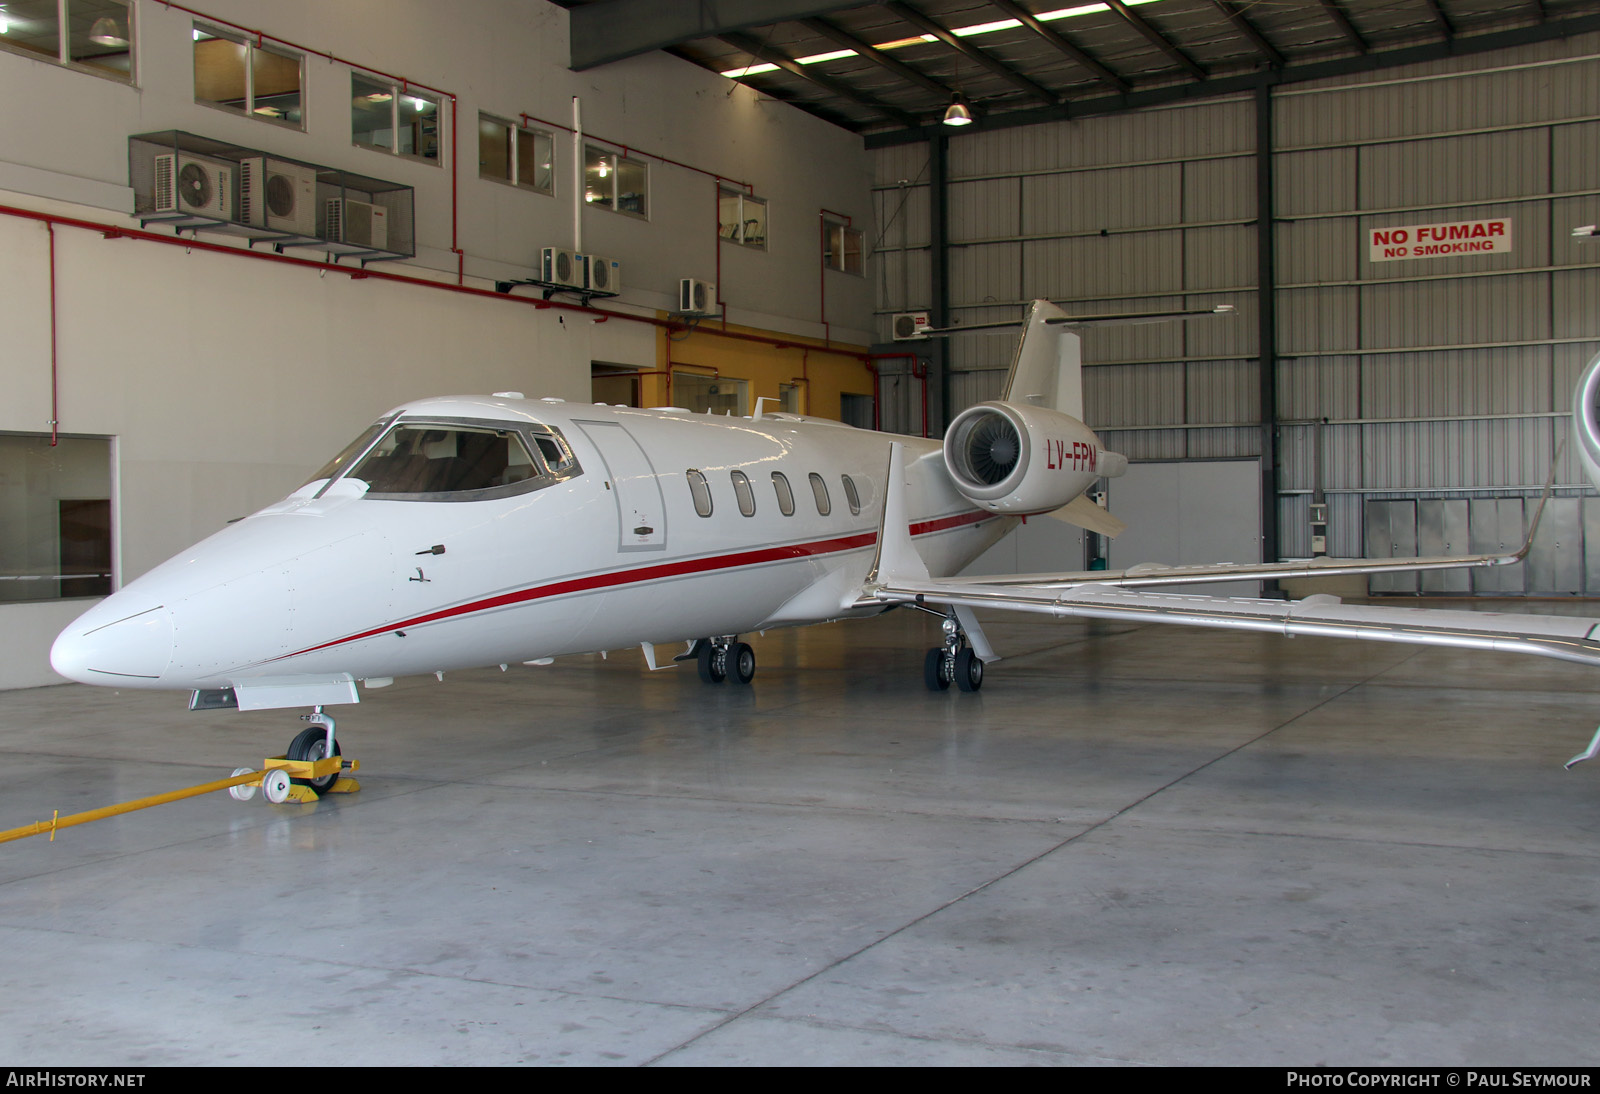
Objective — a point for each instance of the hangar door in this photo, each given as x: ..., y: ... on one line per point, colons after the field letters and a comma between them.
x: 1189, y: 511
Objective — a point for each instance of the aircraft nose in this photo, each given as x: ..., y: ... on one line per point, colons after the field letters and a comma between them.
x: 134, y: 648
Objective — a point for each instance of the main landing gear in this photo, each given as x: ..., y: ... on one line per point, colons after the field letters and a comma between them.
x: 954, y: 662
x: 721, y: 658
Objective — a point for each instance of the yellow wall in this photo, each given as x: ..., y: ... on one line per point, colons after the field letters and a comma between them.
x: 821, y: 373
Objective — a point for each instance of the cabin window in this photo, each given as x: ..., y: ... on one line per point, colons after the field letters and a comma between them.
x: 743, y: 492
x: 701, y: 490
x: 819, y: 490
x: 780, y: 484
x: 851, y: 496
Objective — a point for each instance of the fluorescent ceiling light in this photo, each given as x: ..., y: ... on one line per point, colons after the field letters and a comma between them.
x: 959, y: 32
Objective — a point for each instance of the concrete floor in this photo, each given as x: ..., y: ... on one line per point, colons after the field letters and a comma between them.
x: 1137, y: 845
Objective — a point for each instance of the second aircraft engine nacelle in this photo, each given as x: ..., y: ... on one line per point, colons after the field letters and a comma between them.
x: 1586, y: 420
x: 1009, y: 458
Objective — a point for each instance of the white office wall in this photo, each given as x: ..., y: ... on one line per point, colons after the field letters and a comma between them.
x: 225, y: 381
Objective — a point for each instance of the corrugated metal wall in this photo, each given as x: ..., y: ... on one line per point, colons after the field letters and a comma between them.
x: 1423, y: 379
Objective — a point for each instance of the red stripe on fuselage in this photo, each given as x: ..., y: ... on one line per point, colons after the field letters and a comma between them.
x: 679, y: 568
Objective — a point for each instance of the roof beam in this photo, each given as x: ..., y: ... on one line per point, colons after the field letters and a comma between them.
x: 610, y: 30
x: 1346, y: 27
x: 1295, y: 72
x: 1157, y: 39
x: 972, y: 52
x: 1439, y: 17
x: 1249, y: 33
x: 866, y: 50
x: 760, y: 53
x: 1060, y: 42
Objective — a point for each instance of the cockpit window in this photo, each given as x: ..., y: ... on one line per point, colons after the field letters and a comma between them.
x: 352, y: 450
x: 424, y: 459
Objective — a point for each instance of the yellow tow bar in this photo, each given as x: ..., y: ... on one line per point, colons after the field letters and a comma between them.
x: 274, y: 781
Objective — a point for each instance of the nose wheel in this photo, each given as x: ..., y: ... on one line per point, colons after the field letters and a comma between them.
x: 952, y: 663
x: 722, y: 658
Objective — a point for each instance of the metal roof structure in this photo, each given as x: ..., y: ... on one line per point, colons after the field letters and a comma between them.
x: 889, y: 70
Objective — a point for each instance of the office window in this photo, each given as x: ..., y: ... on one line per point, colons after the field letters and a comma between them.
x: 234, y: 72
x: 742, y: 219
x: 841, y: 247
x: 613, y: 182
x: 522, y: 157
x: 99, y: 38
x: 55, y: 517
x: 389, y: 118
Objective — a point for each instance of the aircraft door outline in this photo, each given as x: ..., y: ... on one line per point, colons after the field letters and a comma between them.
x: 641, y: 508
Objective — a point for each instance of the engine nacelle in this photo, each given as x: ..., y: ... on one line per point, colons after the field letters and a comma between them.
x: 1586, y: 420
x: 1009, y: 458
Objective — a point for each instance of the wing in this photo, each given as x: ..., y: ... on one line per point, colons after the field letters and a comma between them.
x: 1566, y: 638
x: 898, y: 577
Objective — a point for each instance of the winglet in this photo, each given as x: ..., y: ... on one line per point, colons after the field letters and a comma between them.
x: 896, y: 555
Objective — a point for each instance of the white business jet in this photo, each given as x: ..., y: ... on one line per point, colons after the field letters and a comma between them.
x: 472, y: 531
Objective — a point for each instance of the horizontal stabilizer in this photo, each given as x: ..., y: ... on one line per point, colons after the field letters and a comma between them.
x: 1082, y: 512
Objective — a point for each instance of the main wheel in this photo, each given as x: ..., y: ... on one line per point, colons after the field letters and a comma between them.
x: 969, y: 670
x: 312, y: 744
x: 713, y: 663
x: 935, y: 672
x: 742, y: 660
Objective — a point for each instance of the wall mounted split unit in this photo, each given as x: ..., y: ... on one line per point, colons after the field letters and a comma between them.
x: 357, y: 222
x: 602, y: 275
x: 696, y: 297
x: 194, y: 184
x: 910, y: 326
x: 279, y: 195
x: 561, y: 267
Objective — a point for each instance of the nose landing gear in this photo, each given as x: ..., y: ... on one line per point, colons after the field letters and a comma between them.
x: 312, y: 766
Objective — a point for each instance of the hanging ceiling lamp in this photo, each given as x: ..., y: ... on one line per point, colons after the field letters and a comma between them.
x: 105, y: 32
x: 957, y: 113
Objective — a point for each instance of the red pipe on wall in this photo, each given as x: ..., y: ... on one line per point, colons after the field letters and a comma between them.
x: 600, y: 315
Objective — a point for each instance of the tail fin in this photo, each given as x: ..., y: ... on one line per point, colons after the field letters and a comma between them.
x: 1048, y: 368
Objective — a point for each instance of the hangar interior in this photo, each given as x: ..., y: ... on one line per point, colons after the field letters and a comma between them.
x: 1134, y: 846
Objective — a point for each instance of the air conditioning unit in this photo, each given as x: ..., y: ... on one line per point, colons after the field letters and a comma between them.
x: 696, y: 297
x: 910, y: 326
x: 194, y: 184
x: 602, y: 275
x: 278, y: 195
x: 560, y: 267
x: 357, y: 222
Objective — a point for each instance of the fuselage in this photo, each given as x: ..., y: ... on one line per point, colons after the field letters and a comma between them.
x: 604, y: 527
